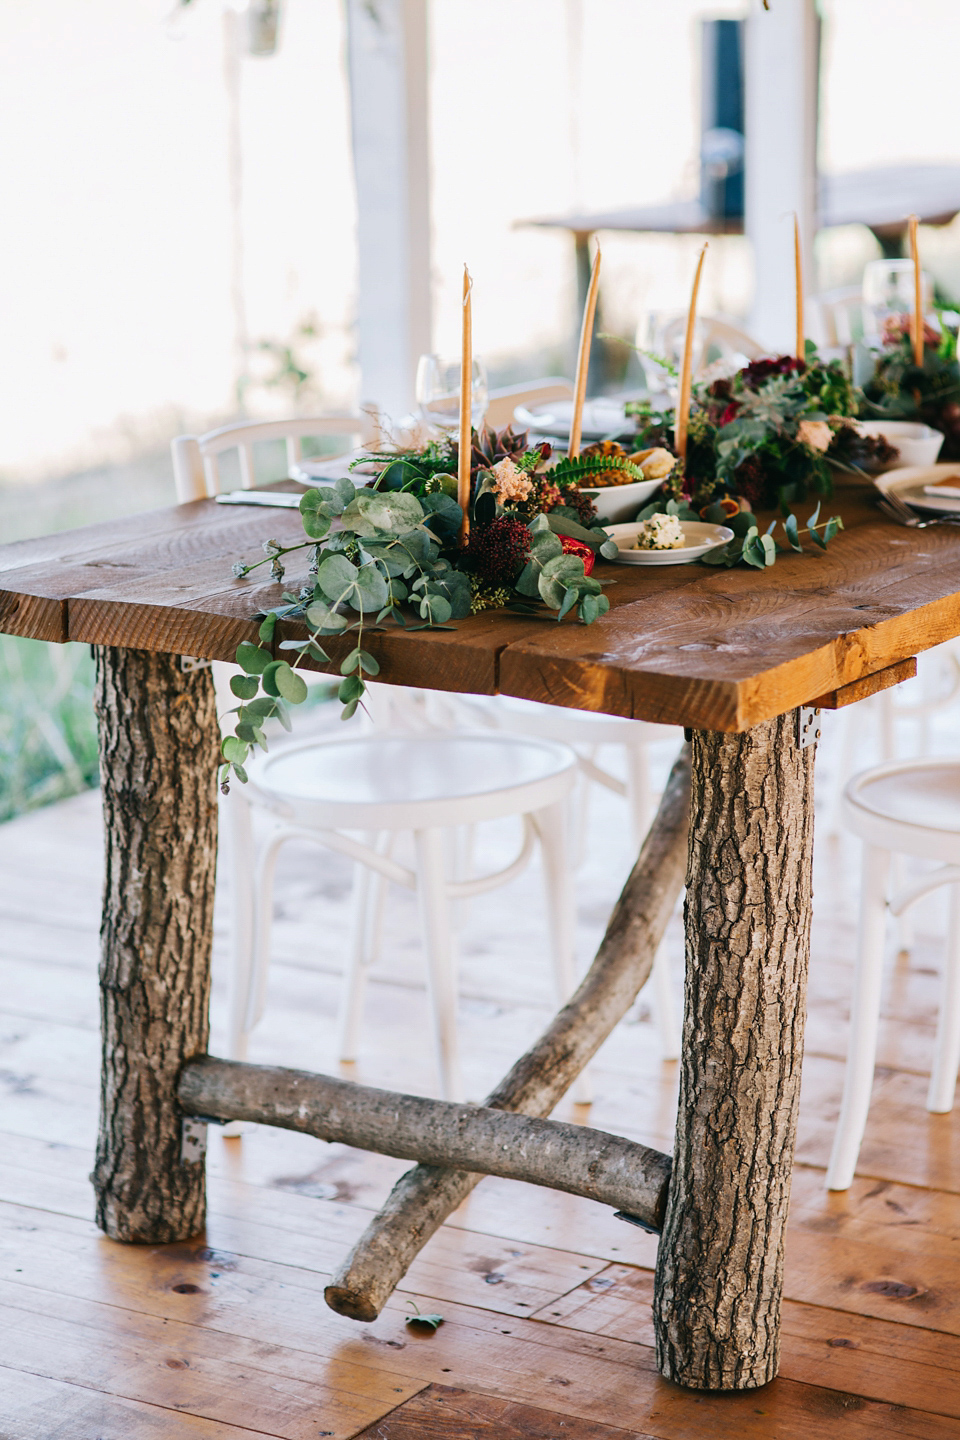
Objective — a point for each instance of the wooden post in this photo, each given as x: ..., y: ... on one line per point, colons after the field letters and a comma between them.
x: 387, y: 63
x: 781, y: 84
x: 158, y: 754
x: 720, y: 1266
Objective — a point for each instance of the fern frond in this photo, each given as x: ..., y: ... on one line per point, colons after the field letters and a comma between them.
x: 576, y: 472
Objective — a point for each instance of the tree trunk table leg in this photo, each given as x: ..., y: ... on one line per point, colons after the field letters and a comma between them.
x: 720, y: 1267
x: 158, y: 755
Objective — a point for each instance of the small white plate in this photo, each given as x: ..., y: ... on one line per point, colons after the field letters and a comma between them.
x: 698, y: 535
x: 908, y: 482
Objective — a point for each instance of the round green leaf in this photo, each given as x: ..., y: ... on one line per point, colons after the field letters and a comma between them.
x: 252, y: 658
x: 244, y: 686
x: 291, y: 686
x: 336, y: 575
x: 234, y: 750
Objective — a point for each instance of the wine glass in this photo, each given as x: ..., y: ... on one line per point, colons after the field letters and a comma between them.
x: 438, y: 392
x: 888, y: 290
x: 661, y: 337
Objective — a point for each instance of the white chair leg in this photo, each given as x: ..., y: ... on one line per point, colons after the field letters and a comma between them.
x: 367, y: 899
x: 946, y: 1054
x: 904, y: 921
x: 551, y: 824
x: 661, y: 993
x: 440, y: 956
x: 864, y: 1020
x: 263, y: 909
x: 236, y: 811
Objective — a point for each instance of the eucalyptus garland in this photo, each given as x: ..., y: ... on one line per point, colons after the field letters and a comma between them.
x: 387, y: 555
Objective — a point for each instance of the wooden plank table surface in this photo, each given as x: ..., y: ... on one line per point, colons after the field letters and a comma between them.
x: 729, y: 654
x: 688, y: 645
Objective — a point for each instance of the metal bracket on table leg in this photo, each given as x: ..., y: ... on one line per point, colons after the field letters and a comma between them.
x: 193, y: 1141
x: 808, y: 726
x: 189, y: 663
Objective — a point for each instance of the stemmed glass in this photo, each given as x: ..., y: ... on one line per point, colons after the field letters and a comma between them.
x: 888, y: 290
x: 438, y: 392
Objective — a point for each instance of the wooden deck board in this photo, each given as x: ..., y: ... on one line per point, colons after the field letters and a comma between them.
x: 535, y: 1342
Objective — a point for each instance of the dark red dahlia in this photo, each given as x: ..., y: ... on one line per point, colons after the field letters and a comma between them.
x: 751, y: 481
x: 497, y: 552
x: 754, y: 374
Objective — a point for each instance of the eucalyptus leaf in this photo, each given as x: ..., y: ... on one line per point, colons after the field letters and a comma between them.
x: 372, y: 589
x: 291, y: 686
x: 336, y: 576
x: 344, y: 491
x: 252, y: 658
x: 374, y: 511
x: 267, y: 627
x: 244, y: 686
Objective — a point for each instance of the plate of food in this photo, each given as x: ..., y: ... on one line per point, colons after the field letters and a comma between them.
x: 665, y: 540
x: 934, y: 488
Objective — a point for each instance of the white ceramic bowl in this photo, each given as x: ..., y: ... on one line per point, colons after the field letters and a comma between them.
x: 616, y: 503
x: 918, y: 444
x: 699, y: 538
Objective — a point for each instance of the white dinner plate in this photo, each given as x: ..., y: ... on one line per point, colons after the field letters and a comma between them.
x: 908, y: 483
x: 600, y: 417
x: 699, y: 539
x: 323, y: 472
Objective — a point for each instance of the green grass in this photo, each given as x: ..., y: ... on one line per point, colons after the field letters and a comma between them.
x: 48, y: 736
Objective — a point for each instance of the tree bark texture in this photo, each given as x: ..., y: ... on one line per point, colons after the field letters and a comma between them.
x: 601, y: 1167
x: 720, y: 1266
x: 423, y: 1198
x: 159, y: 741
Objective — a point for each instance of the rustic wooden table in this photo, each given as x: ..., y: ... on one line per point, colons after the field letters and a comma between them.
x: 730, y: 655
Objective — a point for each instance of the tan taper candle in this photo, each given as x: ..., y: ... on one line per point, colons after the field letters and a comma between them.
x: 466, y: 398
x: 686, y: 372
x: 798, y: 264
x: 916, y: 329
x: 583, y: 358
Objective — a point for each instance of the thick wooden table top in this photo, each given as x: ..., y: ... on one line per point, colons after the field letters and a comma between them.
x: 689, y: 644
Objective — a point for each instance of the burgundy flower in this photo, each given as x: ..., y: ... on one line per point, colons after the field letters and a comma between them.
x: 498, y: 552
x: 729, y: 414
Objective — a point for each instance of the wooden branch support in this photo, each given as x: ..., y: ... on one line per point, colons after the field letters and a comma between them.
x: 424, y: 1197
x: 601, y: 1167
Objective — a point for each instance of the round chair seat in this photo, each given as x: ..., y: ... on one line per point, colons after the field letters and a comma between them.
x: 576, y: 727
x: 412, y: 782
x: 911, y: 807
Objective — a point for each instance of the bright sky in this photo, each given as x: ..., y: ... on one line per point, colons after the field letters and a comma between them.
x: 115, y: 310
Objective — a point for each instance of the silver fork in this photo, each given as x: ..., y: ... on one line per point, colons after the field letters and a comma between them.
x: 895, y: 509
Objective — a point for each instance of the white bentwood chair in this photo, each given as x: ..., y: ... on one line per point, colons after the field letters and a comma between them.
x: 196, y: 458
x: 381, y: 784
x: 907, y: 807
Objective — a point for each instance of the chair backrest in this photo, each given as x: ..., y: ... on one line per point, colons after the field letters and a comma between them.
x: 841, y: 316
x: 502, y: 403
x: 196, y: 458
x: 717, y: 339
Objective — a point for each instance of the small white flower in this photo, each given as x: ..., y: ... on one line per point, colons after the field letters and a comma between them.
x: 239, y: 570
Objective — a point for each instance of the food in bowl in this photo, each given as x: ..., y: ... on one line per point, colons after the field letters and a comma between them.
x: 660, y: 532
x: 656, y: 463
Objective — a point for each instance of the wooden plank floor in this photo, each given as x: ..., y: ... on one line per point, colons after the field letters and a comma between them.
x: 546, y: 1298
